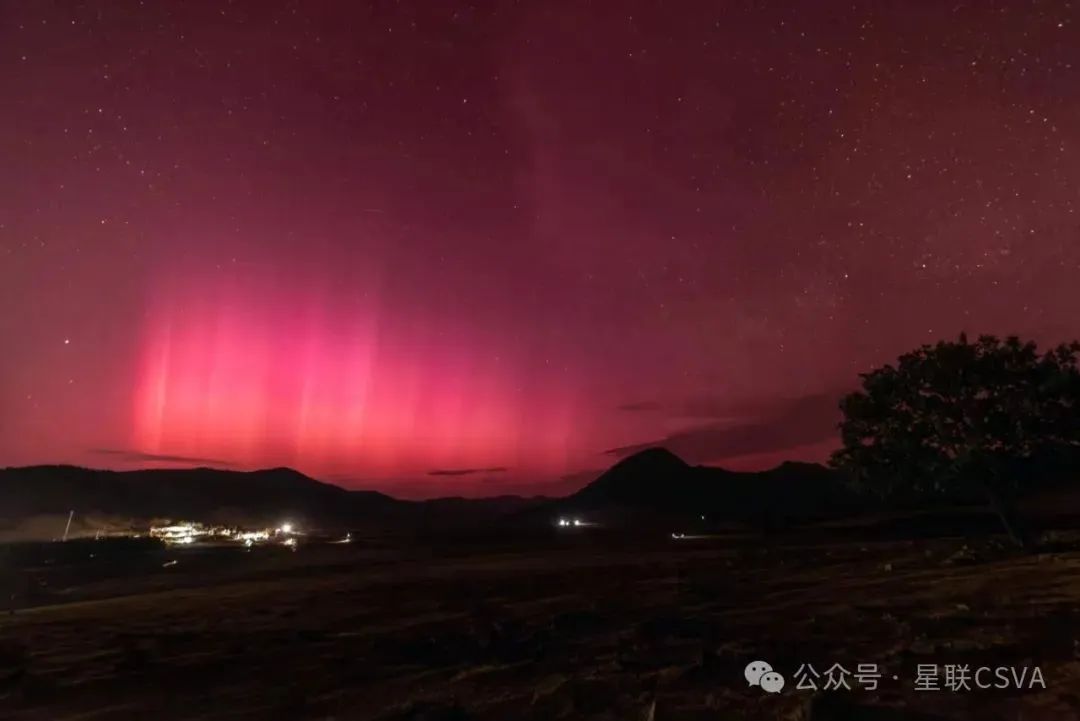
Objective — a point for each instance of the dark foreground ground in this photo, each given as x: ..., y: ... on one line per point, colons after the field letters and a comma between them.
x: 571, y: 628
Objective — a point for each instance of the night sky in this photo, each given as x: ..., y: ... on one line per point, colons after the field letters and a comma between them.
x: 439, y: 248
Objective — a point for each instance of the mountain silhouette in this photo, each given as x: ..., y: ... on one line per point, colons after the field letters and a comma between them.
x: 653, y: 477
x: 208, y: 494
x: 651, y: 483
x: 656, y: 481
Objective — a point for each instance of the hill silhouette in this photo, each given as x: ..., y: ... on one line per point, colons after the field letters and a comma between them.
x: 209, y: 494
x: 656, y: 481
x: 651, y: 483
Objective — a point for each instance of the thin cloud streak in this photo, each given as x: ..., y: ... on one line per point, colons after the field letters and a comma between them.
x: 141, y: 457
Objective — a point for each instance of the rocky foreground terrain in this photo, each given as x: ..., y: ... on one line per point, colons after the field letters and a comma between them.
x: 580, y: 628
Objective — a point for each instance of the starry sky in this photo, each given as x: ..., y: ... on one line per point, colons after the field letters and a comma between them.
x: 472, y: 248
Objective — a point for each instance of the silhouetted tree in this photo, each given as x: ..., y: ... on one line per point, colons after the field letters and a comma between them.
x: 959, y: 417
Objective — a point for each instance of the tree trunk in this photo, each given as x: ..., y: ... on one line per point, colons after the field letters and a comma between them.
x: 1005, y: 508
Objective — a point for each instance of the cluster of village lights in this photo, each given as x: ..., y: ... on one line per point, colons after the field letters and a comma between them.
x: 189, y: 532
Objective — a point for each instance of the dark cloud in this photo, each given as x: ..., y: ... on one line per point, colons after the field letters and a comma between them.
x: 641, y: 406
x: 774, y: 427
x: 466, y: 471
x: 140, y: 457
x: 702, y: 407
x: 709, y: 407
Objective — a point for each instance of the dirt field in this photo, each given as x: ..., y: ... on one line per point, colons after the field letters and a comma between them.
x: 579, y: 629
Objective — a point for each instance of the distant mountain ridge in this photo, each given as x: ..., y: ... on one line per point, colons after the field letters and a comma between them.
x: 202, y: 493
x: 656, y: 480
x: 652, y: 482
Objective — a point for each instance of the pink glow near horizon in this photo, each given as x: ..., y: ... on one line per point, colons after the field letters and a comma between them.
x: 254, y: 377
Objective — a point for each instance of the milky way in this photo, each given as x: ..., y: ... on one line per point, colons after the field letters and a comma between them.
x: 441, y: 248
